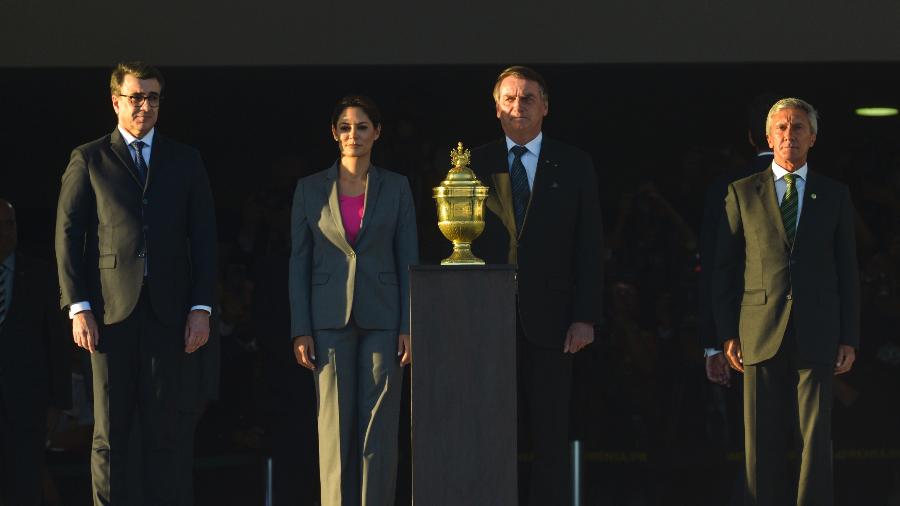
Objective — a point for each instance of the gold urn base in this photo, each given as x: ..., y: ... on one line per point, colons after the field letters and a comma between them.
x: 462, y: 249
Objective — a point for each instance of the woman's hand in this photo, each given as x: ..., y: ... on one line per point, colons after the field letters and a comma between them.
x: 403, y: 349
x: 305, y: 351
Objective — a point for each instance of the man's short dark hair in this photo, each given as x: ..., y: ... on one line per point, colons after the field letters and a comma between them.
x: 527, y: 73
x: 365, y: 103
x: 138, y: 69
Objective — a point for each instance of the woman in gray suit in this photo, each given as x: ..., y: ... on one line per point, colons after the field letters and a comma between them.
x: 353, y: 239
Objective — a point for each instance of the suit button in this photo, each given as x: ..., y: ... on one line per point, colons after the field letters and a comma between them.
x: 789, y: 297
x: 146, y: 201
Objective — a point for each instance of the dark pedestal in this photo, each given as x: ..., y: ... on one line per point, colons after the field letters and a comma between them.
x: 463, y: 387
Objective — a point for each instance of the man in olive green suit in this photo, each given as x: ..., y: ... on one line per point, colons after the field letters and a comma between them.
x: 786, y: 292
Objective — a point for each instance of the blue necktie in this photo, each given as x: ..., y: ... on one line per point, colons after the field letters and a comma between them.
x: 521, y: 193
x: 139, y: 162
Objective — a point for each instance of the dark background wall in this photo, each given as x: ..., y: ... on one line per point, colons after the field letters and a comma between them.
x: 276, y: 32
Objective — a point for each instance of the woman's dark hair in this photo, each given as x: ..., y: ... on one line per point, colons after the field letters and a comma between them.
x: 364, y: 103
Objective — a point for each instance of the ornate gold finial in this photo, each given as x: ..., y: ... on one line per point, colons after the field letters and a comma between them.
x: 459, y: 157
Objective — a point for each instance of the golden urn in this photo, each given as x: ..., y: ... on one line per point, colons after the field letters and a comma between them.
x: 460, y: 208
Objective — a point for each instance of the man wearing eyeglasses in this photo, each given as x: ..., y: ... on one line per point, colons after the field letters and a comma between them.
x: 136, y: 255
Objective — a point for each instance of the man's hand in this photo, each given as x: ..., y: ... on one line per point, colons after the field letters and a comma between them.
x: 580, y: 334
x: 845, y: 357
x: 85, y: 332
x: 732, y: 350
x: 305, y: 351
x: 717, y: 369
x: 196, y: 330
x: 403, y: 349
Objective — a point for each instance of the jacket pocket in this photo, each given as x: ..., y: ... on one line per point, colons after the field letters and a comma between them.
x: 107, y: 261
x: 388, y: 278
x: 320, y: 278
x: 754, y: 298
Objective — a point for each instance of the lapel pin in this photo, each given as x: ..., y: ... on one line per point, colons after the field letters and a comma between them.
x: 813, y: 196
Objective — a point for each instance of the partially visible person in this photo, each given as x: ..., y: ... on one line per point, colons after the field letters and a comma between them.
x: 717, y: 369
x: 353, y: 238
x: 35, y: 370
x: 786, y: 304
x: 136, y: 255
x: 543, y: 216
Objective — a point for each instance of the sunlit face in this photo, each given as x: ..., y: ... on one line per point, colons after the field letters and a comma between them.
x: 355, y: 132
x: 790, y: 137
x: 137, y: 120
x: 520, y: 108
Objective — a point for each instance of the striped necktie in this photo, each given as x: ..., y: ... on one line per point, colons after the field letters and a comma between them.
x: 139, y: 161
x: 789, y: 207
x: 521, y: 193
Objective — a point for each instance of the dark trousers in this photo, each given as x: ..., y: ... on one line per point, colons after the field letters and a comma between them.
x: 544, y: 394
x: 22, y: 436
x: 136, y: 373
x: 784, y: 395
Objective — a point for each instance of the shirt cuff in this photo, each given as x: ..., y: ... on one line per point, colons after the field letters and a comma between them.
x: 78, y: 307
x: 711, y: 352
x: 202, y: 308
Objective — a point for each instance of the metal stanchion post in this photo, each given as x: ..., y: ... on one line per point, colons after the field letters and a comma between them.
x: 576, y: 473
x: 270, y: 499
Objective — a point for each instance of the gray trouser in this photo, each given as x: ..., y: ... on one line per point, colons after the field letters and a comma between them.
x: 358, y: 385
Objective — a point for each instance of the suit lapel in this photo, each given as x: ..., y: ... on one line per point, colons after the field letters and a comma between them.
x: 765, y: 188
x: 338, y: 236
x: 117, y: 144
x: 373, y: 190
x: 807, y: 212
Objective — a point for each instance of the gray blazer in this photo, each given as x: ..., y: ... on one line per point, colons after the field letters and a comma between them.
x: 331, y: 280
x: 760, y: 280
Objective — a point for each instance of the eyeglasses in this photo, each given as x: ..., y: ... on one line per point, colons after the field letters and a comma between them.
x: 138, y: 100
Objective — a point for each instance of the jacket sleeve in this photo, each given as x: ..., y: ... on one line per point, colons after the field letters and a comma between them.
x: 406, y: 249
x: 300, y: 267
x: 727, y: 278
x: 588, y: 251
x: 203, y: 239
x: 75, y: 209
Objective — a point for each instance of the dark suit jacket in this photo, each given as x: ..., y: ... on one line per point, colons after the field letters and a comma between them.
x: 759, y: 281
x: 329, y: 278
x: 37, y: 371
x: 107, y: 224
x: 558, y: 256
x: 713, y: 207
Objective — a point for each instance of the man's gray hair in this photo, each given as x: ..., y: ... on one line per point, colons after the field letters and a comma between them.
x: 795, y: 103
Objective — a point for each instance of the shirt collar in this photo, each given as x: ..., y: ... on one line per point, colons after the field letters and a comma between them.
x: 533, y: 146
x: 147, y: 139
x: 780, y: 171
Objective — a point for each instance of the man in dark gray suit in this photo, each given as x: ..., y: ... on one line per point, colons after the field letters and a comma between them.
x: 136, y: 255
x: 36, y: 374
x: 786, y: 305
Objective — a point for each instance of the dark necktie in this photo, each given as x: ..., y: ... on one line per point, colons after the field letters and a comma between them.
x: 3, y: 274
x: 139, y: 162
x: 520, y: 191
x: 789, y: 207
